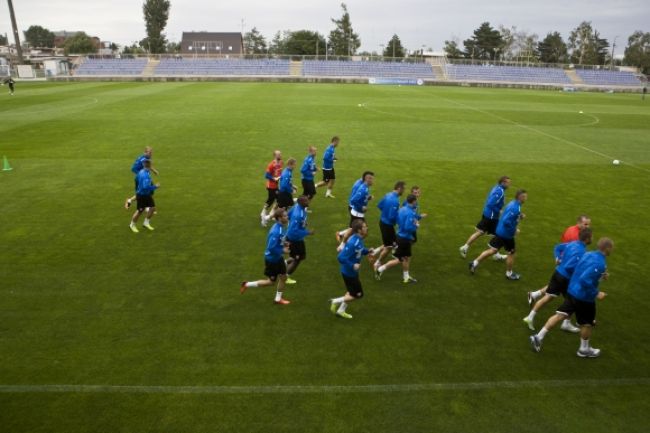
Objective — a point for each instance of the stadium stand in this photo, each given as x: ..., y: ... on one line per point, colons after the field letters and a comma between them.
x: 608, y: 78
x: 513, y: 74
x: 181, y: 66
x: 335, y: 68
x: 112, y: 67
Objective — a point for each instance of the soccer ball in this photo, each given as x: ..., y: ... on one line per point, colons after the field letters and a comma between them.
x: 616, y: 162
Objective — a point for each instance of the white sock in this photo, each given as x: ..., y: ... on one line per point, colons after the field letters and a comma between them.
x: 342, y: 245
x: 567, y: 322
x: 531, y: 315
x: 376, y: 251
x: 338, y: 300
x: 584, y: 344
x: 329, y: 192
x: 376, y: 265
x: 381, y: 268
x: 536, y: 294
x: 278, y: 296
x: 132, y: 224
x: 252, y: 284
x: 542, y: 333
x: 263, y: 214
x: 508, y: 273
x: 146, y: 221
x: 475, y: 263
x: 465, y: 247
x: 342, y: 307
x: 406, y: 275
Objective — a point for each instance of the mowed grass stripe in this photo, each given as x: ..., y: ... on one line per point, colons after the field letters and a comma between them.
x: 321, y: 389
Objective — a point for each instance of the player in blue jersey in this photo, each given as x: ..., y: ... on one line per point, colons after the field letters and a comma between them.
x: 567, y: 256
x: 389, y: 207
x: 490, y: 217
x: 275, y: 267
x: 504, y: 236
x: 581, y: 299
x: 286, y: 187
x: 358, y: 205
x: 350, y: 262
x: 407, y: 223
x: 307, y: 171
x: 136, y: 167
x: 296, y: 234
x: 329, y: 176
x: 144, y: 197
x: 417, y: 192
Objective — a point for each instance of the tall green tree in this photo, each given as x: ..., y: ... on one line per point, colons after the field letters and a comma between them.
x: 553, y: 49
x: 39, y: 37
x: 637, y: 52
x: 254, y: 42
x: 156, y: 14
x: 452, y: 50
x: 394, y: 48
x: 278, y: 42
x: 3, y: 39
x: 586, y: 45
x: 304, y: 43
x: 80, y: 43
x: 485, y: 43
x: 342, y: 40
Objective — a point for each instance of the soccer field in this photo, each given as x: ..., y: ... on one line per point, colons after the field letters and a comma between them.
x: 105, y: 330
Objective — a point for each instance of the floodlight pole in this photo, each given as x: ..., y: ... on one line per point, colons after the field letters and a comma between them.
x: 613, y: 46
x: 19, y: 49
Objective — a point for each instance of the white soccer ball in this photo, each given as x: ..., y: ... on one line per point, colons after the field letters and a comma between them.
x: 580, y: 112
x: 359, y: 105
x: 616, y: 162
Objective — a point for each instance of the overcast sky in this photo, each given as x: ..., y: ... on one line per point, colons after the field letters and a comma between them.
x: 416, y: 22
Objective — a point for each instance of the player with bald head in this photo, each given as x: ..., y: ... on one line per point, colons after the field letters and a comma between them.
x: 272, y: 176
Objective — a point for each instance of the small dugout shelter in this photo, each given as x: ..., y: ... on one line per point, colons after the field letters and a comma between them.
x: 212, y: 44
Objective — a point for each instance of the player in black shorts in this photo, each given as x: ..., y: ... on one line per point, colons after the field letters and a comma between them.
x: 329, y: 176
x: 144, y: 197
x: 490, y: 216
x: 10, y: 82
x: 558, y: 285
x: 275, y: 267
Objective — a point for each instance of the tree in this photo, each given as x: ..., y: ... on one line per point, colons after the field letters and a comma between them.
x: 3, y: 40
x: 133, y: 49
x: 254, y: 42
x: 156, y: 14
x: 173, y: 47
x: 452, y: 50
x: 80, y: 43
x: 507, y: 48
x: 553, y: 49
x: 586, y: 45
x: 342, y: 40
x: 304, y: 43
x: 277, y: 44
x: 485, y: 44
x: 39, y: 37
x: 394, y: 48
x: 637, y: 52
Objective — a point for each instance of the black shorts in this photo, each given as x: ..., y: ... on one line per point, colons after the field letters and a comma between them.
x: 558, y: 285
x: 507, y: 244
x: 403, y: 248
x: 297, y: 250
x: 272, y: 270
x: 354, y: 218
x: 308, y: 188
x: 353, y: 286
x: 285, y: 200
x: 272, y: 196
x: 487, y: 225
x: 585, y: 311
x: 328, y: 174
x: 144, y: 201
x: 388, y: 236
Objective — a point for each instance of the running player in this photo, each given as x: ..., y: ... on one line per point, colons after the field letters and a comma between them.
x: 10, y: 82
x: 389, y: 207
x: 286, y: 189
x: 144, y: 197
x: 307, y: 171
x: 296, y: 236
x: 358, y: 206
x: 275, y: 267
x: 138, y: 165
x: 329, y: 176
x: 572, y: 233
x: 272, y: 176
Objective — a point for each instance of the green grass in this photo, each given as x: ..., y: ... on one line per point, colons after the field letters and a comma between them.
x: 83, y: 301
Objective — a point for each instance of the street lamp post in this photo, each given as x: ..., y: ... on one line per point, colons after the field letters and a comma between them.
x: 613, y: 47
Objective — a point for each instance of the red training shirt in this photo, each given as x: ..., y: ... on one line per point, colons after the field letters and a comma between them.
x: 275, y: 170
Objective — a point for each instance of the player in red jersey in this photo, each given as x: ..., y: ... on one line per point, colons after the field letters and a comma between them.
x: 272, y: 175
x: 572, y: 233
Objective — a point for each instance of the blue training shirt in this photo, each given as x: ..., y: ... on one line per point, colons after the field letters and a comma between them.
x: 570, y: 254
x: 351, y: 254
x: 145, y: 184
x: 584, y: 281
x: 308, y: 168
x: 297, y: 223
x: 356, y: 185
x: 275, y: 244
x: 507, y: 227
x: 286, y: 181
x: 389, y: 206
x: 360, y: 198
x: 138, y: 164
x: 328, y: 157
x: 406, y: 222
x: 494, y: 202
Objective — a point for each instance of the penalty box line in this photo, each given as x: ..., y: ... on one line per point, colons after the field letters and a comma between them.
x: 554, y: 137
x: 319, y: 389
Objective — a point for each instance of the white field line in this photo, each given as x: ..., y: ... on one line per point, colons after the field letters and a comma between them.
x: 546, y: 134
x: 320, y: 389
